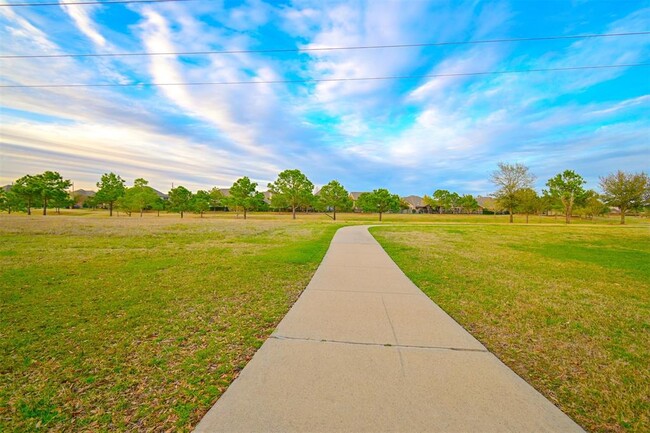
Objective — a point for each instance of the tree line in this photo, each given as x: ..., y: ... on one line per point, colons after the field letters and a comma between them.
x: 292, y: 190
x: 449, y: 201
x: 565, y: 192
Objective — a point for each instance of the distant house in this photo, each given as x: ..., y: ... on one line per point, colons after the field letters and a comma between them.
x: 267, y: 196
x: 416, y: 204
x: 162, y: 195
x: 225, y: 192
x: 355, y: 196
x: 7, y: 188
x: 486, y: 203
x: 80, y: 196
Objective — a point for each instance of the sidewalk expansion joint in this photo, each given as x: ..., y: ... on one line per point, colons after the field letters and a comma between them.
x: 362, y: 343
x: 372, y: 292
x: 326, y: 265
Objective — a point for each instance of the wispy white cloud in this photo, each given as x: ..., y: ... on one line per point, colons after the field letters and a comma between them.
x: 346, y: 25
x: 81, y: 15
x: 247, y: 115
x: 23, y: 35
x: 477, y: 59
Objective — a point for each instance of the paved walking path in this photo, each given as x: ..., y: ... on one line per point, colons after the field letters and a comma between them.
x: 364, y: 350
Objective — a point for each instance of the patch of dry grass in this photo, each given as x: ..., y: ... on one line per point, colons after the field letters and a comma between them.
x: 363, y: 218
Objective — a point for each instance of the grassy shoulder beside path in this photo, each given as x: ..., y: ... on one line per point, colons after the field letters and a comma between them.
x: 138, y: 324
x: 566, y: 307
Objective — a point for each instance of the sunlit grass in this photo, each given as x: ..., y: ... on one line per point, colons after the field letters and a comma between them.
x: 138, y: 324
x: 567, y: 307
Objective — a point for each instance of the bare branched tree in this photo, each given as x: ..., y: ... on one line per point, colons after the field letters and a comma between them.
x: 510, y: 178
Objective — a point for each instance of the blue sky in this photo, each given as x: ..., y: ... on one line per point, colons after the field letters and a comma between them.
x: 410, y: 136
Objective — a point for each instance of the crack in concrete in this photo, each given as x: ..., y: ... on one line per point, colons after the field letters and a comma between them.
x: 392, y: 328
x: 363, y: 343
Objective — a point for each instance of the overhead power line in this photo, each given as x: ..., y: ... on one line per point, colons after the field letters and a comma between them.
x: 90, y: 2
x: 324, y: 80
x: 356, y: 47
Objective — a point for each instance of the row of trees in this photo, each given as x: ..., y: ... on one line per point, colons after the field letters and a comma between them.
x: 293, y: 190
x: 113, y: 193
x: 446, y: 201
x: 46, y: 190
x: 565, y: 191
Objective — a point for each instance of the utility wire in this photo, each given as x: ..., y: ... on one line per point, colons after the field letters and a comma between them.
x: 323, y: 80
x: 90, y: 2
x: 358, y: 47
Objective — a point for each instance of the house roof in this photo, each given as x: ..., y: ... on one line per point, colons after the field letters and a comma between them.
x: 355, y: 195
x: 84, y: 192
x: 414, y: 200
x: 485, y: 202
x: 160, y: 194
x: 225, y: 192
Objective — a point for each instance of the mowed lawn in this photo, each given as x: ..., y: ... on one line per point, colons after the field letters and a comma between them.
x: 566, y: 307
x: 139, y: 323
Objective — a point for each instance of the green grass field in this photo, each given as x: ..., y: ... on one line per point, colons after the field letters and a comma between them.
x: 566, y: 307
x: 141, y: 323
x: 138, y: 324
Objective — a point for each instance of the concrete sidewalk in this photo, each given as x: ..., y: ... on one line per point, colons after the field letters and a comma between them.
x: 364, y: 350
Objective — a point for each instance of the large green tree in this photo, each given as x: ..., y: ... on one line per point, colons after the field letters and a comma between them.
x: 291, y: 189
x: 567, y: 190
x: 442, y: 199
x: 26, y: 189
x: 335, y: 197
x: 546, y: 203
x: 593, y: 205
x: 528, y: 202
x: 141, y: 195
x: 10, y: 201
x: 51, y: 186
x: 13, y: 202
x: 626, y: 191
x: 380, y: 201
x: 468, y: 203
x: 244, y: 195
x: 159, y: 204
x: 201, y: 202
x: 111, y: 188
x: 180, y: 200
x: 127, y: 203
x: 509, y: 179
x: 137, y: 198
x: 61, y: 200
